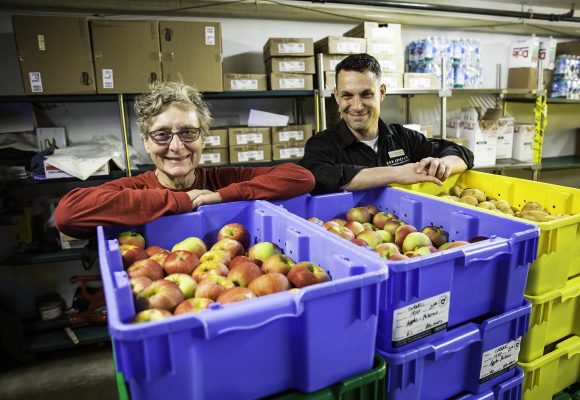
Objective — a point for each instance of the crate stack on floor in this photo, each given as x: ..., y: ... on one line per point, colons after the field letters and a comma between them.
x: 451, y: 322
x: 550, y: 351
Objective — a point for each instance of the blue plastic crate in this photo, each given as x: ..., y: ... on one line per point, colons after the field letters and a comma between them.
x: 510, y: 389
x: 472, y: 358
x: 303, y: 339
x: 450, y: 287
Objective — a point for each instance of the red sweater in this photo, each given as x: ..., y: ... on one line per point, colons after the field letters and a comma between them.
x: 141, y: 199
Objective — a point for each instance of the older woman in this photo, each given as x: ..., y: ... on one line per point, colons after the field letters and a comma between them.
x: 174, y: 122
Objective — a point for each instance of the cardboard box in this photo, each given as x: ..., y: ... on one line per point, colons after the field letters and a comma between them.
x: 288, y: 47
x: 522, y: 78
x: 340, y: 45
x: 420, y: 81
x: 524, y: 53
x: 235, y: 82
x: 250, y: 153
x: 330, y: 61
x: 192, y: 52
x: 453, y: 128
x: 391, y: 63
x: 547, y: 53
x: 55, y: 54
x: 212, y: 156
x: 288, y: 151
x: 481, y: 139
x: 374, y: 30
x: 126, y: 55
x: 291, y: 81
x: 291, y: 133
x: 290, y: 65
x: 505, y: 137
x: 392, y: 80
x: 382, y: 47
x: 217, y: 138
x: 248, y: 135
x: 47, y: 137
x: 329, y: 80
x: 69, y: 242
x: 52, y: 172
x: 572, y: 48
x: 523, y: 147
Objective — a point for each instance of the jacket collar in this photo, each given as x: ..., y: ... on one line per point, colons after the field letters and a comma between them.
x: 346, y: 138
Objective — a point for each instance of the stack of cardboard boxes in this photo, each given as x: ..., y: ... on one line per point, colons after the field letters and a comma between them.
x: 216, y: 148
x: 289, y: 63
x: 59, y: 56
x: 334, y: 49
x: 288, y: 142
x: 525, y: 58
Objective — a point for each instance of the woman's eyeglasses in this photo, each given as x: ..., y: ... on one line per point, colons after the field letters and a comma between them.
x: 165, y: 136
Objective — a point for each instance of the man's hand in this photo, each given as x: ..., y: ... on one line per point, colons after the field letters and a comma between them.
x: 201, y: 197
x: 440, y: 168
x: 409, y: 174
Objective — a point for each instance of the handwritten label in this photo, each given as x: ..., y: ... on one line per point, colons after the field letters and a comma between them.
x: 499, y: 360
x: 418, y: 320
x: 246, y: 138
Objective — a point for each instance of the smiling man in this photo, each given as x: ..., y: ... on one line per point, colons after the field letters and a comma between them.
x: 362, y: 152
x: 174, y: 122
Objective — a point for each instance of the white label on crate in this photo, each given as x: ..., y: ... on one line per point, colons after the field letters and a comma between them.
x: 108, y: 79
x: 388, y: 65
x: 382, y: 32
x: 420, y: 83
x: 35, y: 82
x: 213, y: 140
x: 293, y: 152
x: 418, y: 320
x: 210, y: 158
x: 285, y: 136
x: 291, y: 48
x: 292, y: 66
x: 210, y: 36
x: 499, y: 360
x: 292, y: 83
x: 348, y: 47
x: 333, y: 63
x: 246, y: 138
x: 41, y: 42
x: 244, y: 84
x: 387, y: 48
x: 257, y: 155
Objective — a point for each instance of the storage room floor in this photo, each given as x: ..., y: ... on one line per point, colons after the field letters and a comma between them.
x: 85, y: 373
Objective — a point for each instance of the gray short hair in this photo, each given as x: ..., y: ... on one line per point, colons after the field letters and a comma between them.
x: 149, y: 105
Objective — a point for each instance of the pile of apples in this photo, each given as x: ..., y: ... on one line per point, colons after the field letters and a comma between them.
x: 190, y: 278
x: 388, y: 235
x: 531, y: 210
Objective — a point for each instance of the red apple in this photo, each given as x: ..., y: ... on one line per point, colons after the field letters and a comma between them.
x: 269, y: 283
x: 152, y: 314
x: 278, y: 263
x: 161, y: 294
x: 342, y: 232
x: 152, y: 250
x: 235, y: 294
x: 385, y: 250
x: 307, y: 273
x: 426, y: 250
x: 392, y: 224
x: 381, y: 217
x: 359, y: 242
x: 192, y: 244
x: 187, y: 284
x: 414, y: 240
x: 131, y: 253
x: 355, y: 227
x: 329, y: 224
x: 360, y: 214
x: 216, y: 255
x: 134, y: 238
x: 372, y: 210
x: 237, y: 260
x: 209, y: 268
x: 437, y: 235
x: 372, y: 238
x: 212, y: 286
x: 192, y: 305
x: 147, y: 267
x: 139, y: 283
x: 451, y: 245
x: 340, y: 221
x: 230, y: 246
x: 159, y: 257
x: 235, y: 231
x: 180, y: 261
x: 244, y: 273
x: 397, y: 257
x: 260, y: 251
x: 402, y: 232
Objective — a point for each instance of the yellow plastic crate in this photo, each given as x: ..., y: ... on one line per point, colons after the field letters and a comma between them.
x: 553, y: 372
x: 555, y: 315
x: 559, y: 243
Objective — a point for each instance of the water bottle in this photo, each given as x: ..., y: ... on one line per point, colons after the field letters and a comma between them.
x: 428, y: 50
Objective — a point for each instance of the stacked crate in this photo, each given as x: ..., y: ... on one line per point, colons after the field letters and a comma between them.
x: 249, y: 144
x: 450, y: 323
x: 215, y: 151
x: 550, y: 351
x: 288, y: 141
x: 289, y: 63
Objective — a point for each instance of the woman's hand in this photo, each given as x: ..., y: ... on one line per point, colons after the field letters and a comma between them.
x: 201, y: 197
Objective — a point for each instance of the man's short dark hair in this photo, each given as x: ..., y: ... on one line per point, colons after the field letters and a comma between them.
x: 360, y: 63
